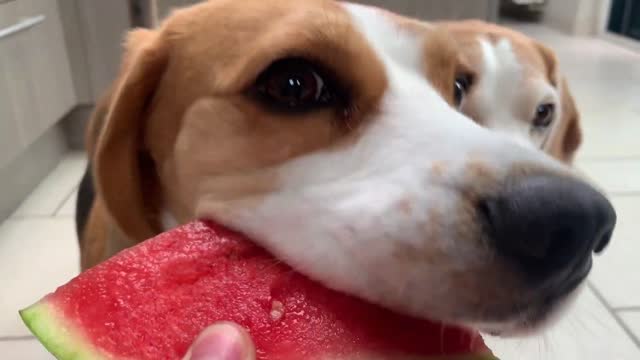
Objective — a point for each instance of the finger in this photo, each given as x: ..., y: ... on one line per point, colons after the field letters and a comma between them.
x: 222, y: 341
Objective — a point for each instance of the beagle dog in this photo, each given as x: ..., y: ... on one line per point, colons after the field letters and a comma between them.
x: 329, y: 133
x: 514, y: 87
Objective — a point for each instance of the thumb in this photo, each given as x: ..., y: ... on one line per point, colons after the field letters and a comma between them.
x: 222, y: 341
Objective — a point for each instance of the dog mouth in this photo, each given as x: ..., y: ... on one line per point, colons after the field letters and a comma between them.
x: 526, y: 322
x: 417, y: 331
x: 530, y: 313
x: 504, y: 316
x: 468, y: 271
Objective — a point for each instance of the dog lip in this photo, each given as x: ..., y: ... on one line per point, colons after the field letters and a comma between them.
x: 526, y: 316
x: 570, y: 283
x: 563, y: 293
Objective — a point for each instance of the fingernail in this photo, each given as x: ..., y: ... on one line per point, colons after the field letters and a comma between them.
x: 221, y: 342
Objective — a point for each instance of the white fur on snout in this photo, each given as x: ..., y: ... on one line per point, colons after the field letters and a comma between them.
x: 374, y: 218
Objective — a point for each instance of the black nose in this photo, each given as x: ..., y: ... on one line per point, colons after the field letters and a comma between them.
x: 549, y: 226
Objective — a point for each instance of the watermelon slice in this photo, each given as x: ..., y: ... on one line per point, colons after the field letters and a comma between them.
x: 151, y: 302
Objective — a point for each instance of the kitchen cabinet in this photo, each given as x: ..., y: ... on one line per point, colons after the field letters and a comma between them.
x: 9, y: 140
x: 36, y: 86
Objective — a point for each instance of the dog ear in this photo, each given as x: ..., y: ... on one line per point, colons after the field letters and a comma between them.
x: 443, y: 62
x: 566, y: 137
x: 119, y: 160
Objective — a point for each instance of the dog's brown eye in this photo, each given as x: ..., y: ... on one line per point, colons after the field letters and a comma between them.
x: 294, y: 84
x: 544, y: 116
x: 461, y: 87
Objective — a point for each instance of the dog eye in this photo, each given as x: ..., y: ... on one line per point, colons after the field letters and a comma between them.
x: 544, y: 116
x: 461, y: 88
x: 294, y: 85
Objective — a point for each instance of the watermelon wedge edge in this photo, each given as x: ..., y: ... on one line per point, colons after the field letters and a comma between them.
x: 59, y: 338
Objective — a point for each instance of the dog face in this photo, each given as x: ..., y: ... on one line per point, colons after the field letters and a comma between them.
x: 514, y: 87
x: 326, y: 132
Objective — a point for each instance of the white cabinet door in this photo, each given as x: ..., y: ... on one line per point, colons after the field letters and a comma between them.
x: 14, y: 87
x: 10, y: 144
x: 44, y: 58
x: 36, y: 88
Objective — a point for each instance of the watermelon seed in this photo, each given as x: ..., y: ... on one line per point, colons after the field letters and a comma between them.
x: 277, y: 310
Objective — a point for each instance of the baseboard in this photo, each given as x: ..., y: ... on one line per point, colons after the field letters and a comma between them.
x: 27, y: 170
x: 623, y: 41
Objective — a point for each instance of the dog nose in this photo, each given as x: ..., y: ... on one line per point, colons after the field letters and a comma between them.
x: 549, y: 225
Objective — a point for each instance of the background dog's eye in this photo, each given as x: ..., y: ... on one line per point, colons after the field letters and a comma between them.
x: 544, y: 116
x: 294, y: 84
x: 460, y: 88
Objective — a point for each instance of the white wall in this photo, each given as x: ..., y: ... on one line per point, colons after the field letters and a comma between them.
x: 577, y: 17
x: 424, y: 9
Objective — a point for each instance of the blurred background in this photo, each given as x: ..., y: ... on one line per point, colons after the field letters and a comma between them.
x: 58, y: 56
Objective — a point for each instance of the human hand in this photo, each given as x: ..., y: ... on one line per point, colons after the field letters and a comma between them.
x: 222, y: 341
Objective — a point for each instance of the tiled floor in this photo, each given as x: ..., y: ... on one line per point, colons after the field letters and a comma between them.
x: 38, y: 251
x: 38, y: 248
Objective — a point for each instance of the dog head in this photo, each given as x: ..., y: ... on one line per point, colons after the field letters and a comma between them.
x: 328, y: 133
x: 514, y: 87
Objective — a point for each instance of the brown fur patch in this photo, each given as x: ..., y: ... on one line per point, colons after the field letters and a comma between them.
x: 405, y: 206
x: 438, y: 168
x: 532, y: 54
x: 442, y: 62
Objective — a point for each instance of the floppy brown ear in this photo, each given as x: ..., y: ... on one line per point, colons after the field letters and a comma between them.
x: 119, y: 159
x: 135, y: 41
x: 566, y: 137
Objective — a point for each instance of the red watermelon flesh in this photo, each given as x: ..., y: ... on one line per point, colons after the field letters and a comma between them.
x: 152, y: 301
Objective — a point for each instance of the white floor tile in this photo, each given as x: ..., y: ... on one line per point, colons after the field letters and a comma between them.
x: 616, y: 272
x: 632, y: 320
x: 587, y: 332
x: 55, y: 188
x: 610, y: 128
x: 36, y: 256
x: 599, y: 143
x: 69, y: 206
x: 614, y: 176
x: 24, y: 350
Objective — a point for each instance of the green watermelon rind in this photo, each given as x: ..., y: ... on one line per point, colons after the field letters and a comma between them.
x: 58, y: 337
